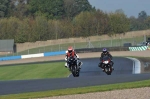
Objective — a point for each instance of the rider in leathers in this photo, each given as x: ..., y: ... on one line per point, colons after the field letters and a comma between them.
x: 105, y: 53
x: 71, y: 52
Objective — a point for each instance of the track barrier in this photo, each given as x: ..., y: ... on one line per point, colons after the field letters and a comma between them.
x: 141, y: 48
x: 32, y: 55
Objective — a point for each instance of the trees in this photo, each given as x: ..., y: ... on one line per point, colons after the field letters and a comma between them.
x: 147, y: 22
x: 8, y: 28
x: 80, y: 6
x: 3, y: 8
x: 17, y: 8
x: 83, y: 22
x: 119, y: 23
x: 101, y: 21
x: 52, y: 9
x: 58, y: 9
x: 140, y: 23
x: 33, y: 20
x: 142, y: 16
x: 133, y: 23
x: 141, y: 20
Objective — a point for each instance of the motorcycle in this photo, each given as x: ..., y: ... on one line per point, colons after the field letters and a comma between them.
x: 107, y: 65
x: 73, y: 66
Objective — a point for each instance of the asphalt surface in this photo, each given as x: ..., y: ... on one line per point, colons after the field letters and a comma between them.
x: 121, y: 66
x: 90, y: 75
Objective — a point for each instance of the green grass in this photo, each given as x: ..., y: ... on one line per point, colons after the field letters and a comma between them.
x: 71, y: 91
x: 33, y: 71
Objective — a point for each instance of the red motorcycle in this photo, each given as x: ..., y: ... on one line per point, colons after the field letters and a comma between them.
x: 107, y: 65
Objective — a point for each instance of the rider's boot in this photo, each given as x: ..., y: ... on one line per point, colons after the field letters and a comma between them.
x: 66, y: 65
x: 111, y: 64
x: 100, y: 65
x: 80, y: 63
x: 103, y: 69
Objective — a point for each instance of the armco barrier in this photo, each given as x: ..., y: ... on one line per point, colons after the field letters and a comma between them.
x: 141, y: 48
x: 32, y: 55
x: 54, y: 53
x: 10, y: 58
x: 61, y: 53
x: 77, y: 50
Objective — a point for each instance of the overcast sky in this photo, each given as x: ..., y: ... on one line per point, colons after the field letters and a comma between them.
x: 130, y: 7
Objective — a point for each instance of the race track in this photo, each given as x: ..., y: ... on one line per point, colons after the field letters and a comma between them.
x: 121, y: 65
x: 90, y: 75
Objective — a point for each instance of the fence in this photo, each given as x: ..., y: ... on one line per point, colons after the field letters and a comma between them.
x: 133, y: 38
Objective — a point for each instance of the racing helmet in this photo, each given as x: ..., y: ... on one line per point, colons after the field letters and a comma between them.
x: 104, y: 50
x: 70, y: 49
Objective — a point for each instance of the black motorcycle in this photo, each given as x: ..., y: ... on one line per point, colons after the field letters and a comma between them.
x: 107, y: 65
x: 73, y: 66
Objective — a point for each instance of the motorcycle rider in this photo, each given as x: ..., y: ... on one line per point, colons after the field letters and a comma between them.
x: 105, y: 53
x: 71, y: 52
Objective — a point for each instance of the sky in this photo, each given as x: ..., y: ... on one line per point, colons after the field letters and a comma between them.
x: 130, y: 7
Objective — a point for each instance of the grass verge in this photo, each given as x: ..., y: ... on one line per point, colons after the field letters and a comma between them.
x: 33, y: 71
x: 71, y: 91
